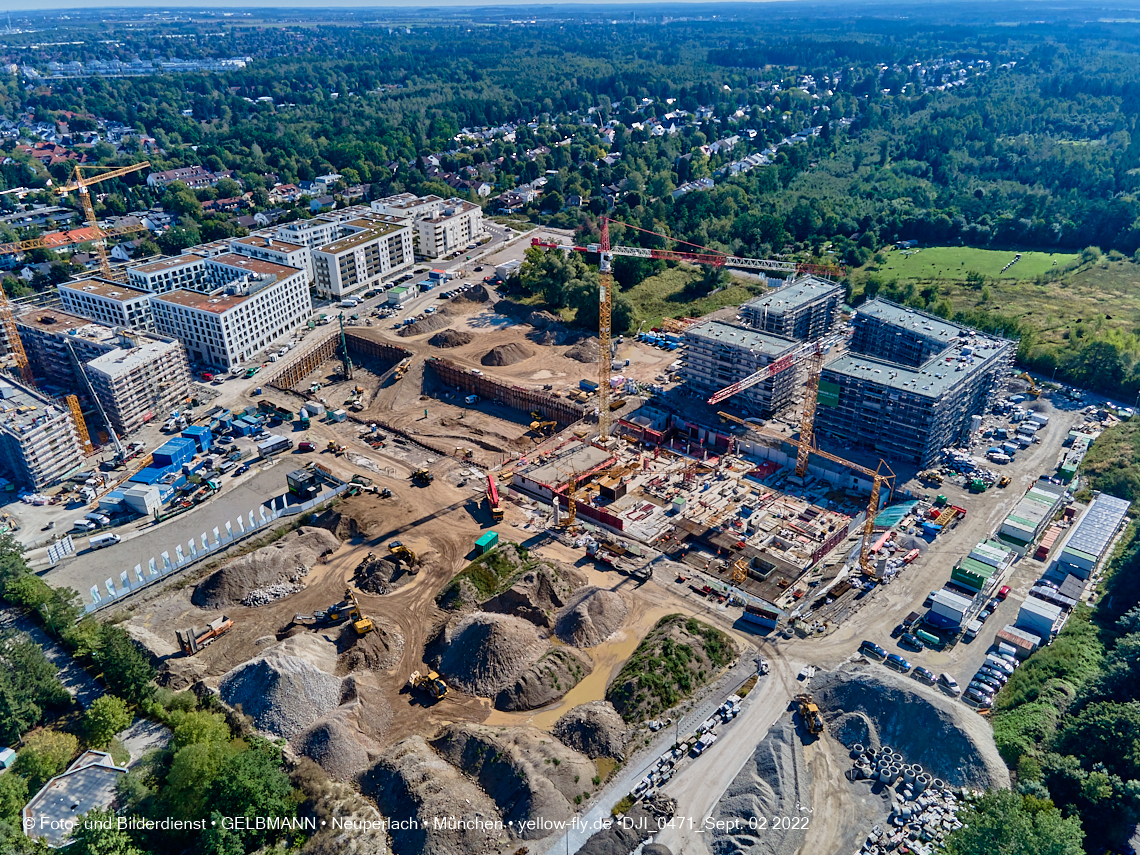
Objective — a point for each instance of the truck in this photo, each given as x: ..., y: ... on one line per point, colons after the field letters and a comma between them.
x: 193, y: 640
x: 274, y: 445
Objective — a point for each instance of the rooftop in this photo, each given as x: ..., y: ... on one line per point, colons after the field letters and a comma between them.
x: 87, y: 784
x: 793, y: 295
x: 255, y: 265
x: 1098, y: 526
x: 171, y: 263
x: 574, y: 458
x: 108, y: 290
x: 265, y: 242
x: 931, y: 380
x: 21, y: 408
x: 911, y: 319
x: 61, y: 323
x: 122, y: 361
x: 743, y: 337
x: 215, y: 303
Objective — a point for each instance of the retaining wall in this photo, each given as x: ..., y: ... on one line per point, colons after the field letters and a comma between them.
x: 558, y: 409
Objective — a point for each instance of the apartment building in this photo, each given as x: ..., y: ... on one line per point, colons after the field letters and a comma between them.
x: 51, y: 337
x: 227, y: 326
x: 140, y: 382
x: 409, y: 206
x: 456, y: 225
x: 320, y: 229
x: 910, y: 384
x: 108, y: 303
x: 371, y: 249
x: 804, y: 309
x: 39, y: 444
x: 719, y: 354
x: 188, y: 272
x: 268, y: 248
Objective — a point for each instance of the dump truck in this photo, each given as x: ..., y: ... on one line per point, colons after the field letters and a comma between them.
x: 431, y: 683
x: 422, y: 477
x: 192, y: 640
x: 809, y: 712
x: 362, y: 480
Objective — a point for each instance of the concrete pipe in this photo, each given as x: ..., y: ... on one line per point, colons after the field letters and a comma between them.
x: 917, y: 769
x: 856, y: 751
x: 938, y: 784
x: 896, y: 773
x: 908, y: 775
x: 921, y: 783
x: 885, y: 776
x: 897, y: 758
x: 887, y: 750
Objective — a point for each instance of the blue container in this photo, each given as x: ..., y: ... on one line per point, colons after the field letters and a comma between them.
x: 587, y: 385
x: 201, y: 437
x: 174, y: 452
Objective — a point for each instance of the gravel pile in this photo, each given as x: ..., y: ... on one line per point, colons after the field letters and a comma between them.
x: 287, y: 560
x: 587, y: 350
x: 427, y: 324
x: 590, y: 618
x: 558, y: 671
x: 336, y: 747
x: 483, y: 653
x: 478, y: 294
x: 381, y: 575
x: 595, y: 729
x: 283, y: 694
x: 543, y: 320
x: 506, y: 354
x: 451, y: 338
x: 379, y: 650
x: 270, y: 593
x: 642, y: 821
x: 538, y: 594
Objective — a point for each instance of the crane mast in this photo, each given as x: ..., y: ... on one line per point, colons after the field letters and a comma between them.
x: 605, y: 304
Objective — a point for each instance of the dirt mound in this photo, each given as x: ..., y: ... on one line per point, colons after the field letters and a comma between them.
x: 590, y: 618
x: 547, y: 337
x: 451, y: 338
x: 682, y: 654
x: 360, y: 516
x: 775, y: 781
x: 379, y: 574
x: 477, y: 294
x: 642, y: 821
x: 429, y: 323
x: 483, y: 653
x: 538, y: 594
x: 506, y: 354
x: 336, y: 747
x: 287, y: 560
x: 529, y: 775
x: 543, y: 320
x: 379, y: 650
x: 283, y: 694
x: 327, y: 801
x: 595, y: 729
x: 547, y: 680
x: 587, y: 350
x: 948, y: 739
x: 413, y: 782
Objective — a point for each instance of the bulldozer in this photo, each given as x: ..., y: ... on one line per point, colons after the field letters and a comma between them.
x: 809, y: 712
x: 193, y: 640
x: 431, y: 683
x: 1004, y: 481
x: 336, y: 448
x: 360, y: 621
x: 422, y: 477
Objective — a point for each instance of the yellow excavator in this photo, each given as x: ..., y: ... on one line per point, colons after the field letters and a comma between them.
x: 543, y: 427
x: 1032, y: 391
x: 430, y: 682
x: 360, y: 622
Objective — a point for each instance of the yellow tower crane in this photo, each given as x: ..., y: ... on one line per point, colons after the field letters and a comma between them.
x: 80, y: 183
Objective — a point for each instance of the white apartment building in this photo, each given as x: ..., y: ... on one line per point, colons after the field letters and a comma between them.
x: 39, y: 443
x: 457, y: 224
x: 229, y: 325
x: 140, y: 383
x: 320, y: 230
x: 108, y: 303
x: 188, y: 271
x: 409, y: 205
x: 268, y: 248
x: 371, y: 248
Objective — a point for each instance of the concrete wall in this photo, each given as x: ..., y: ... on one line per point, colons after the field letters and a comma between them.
x: 559, y: 409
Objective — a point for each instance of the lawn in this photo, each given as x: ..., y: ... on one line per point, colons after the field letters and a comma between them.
x: 671, y: 294
x: 954, y: 262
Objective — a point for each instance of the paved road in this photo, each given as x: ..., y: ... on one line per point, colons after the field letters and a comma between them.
x: 78, y: 682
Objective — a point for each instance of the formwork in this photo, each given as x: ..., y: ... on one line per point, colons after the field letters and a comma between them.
x: 327, y: 349
x: 558, y: 409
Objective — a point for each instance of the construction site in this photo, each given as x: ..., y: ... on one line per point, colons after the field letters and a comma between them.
x: 527, y: 522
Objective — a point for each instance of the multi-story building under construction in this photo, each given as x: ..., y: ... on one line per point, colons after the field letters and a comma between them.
x: 910, y: 383
x: 805, y: 309
x: 39, y: 443
x: 719, y: 354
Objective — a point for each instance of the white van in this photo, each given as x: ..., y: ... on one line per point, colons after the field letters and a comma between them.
x: 83, y: 525
x: 97, y: 518
x: 349, y: 303
x: 972, y: 629
x: 101, y: 540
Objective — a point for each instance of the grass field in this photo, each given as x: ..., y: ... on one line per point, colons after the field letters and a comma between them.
x: 951, y: 262
x: 665, y: 296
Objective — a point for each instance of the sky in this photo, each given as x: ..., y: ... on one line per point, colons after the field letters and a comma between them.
x: 41, y: 5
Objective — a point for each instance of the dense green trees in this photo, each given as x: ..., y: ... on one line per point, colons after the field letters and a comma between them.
x: 1015, y: 825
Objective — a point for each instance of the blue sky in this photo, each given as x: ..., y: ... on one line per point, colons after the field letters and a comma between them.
x: 40, y: 5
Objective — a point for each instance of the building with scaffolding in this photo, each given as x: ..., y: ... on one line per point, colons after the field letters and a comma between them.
x: 805, y: 309
x: 910, y: 383
x: 719, y: 354
x: 142, y: 382
x: 56, y: 342
x: 39, y: 442
x: 108, y: 303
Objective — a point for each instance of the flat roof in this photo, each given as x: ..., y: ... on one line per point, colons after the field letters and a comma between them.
x: 121, y: 360
x: 369, y: 231
x: 168, y: 263
x: 215, y: 303
x: 89, y: 783
x: 930, y: 380
x: 107, y: 290
x: 794, y: 295
x: 21, y: 407
x: 912, y: 319
x: 1098, y: 526
x: 742, y: 337
x: 62, y: 323
x: 575, y: 458
x: 255, y: 265
x: 266, y: 242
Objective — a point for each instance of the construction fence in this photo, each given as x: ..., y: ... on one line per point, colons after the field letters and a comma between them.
x: 528, y: 400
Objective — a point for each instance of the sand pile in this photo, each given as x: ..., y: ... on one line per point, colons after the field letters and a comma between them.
x: 413, y: 782
x: 529, y: 775
x: 595, y: 729
x: 506, y: 354
x: 477, y: 294
x: 379, y: 650
x: 586, y: 350
x: 538, y: 594
x: 283, y: 694
x: 363, y: 516
x: 381, y: 574
x: 427, y: 324
x: 558, y: 671
x: 483, y: 653
x: 337, y: 748
x: 590, y: 618
x: 543, y: 320
x: 287, y: 560
x: 870, y: 705
x: 451, y: 338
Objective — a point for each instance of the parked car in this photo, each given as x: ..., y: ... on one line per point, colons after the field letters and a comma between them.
x: 241, y: 470
x: 898, y: 630
x: 873, y: 650
x: 226, y: 440
x: 977, y: 699
x: 911, y: 641
x: 897, y: 663
x: 948, y: 685
x: 984, y: 615
x: 929, y: 601
x: 1003, y: 593
x: 993, y: 672
x: 924, y: 675
x: 987, y: 680
x: 992, y: 605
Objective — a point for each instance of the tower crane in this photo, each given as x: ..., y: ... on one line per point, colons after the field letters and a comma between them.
x: 81, y: 183
x: 606, y: 253
x: 879, y: 479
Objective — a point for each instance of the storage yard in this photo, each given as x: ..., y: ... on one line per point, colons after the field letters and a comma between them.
x: 430, y: 615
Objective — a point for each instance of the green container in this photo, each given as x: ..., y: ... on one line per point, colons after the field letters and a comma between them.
x: 926, y: 638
